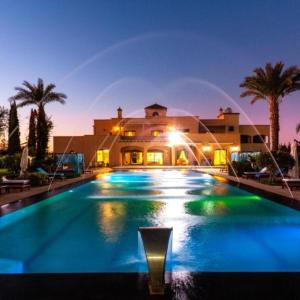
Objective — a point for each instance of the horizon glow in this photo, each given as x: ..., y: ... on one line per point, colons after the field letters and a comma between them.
x: 187, y: 56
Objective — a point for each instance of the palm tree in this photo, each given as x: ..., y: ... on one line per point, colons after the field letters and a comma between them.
x: 3, y: 119
x: 272, y: 83
x: 39, y: 95
x: 298, y: 128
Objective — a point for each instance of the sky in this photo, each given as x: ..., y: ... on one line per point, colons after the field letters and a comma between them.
x: 190, y: 56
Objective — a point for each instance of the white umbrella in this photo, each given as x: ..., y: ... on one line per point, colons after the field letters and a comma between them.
x: 295, y: 170
x: 24, y: 162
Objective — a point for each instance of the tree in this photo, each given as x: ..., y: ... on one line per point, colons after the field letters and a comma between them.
x: 14, y: 145
x: 32, y: 133
x: 273, y: 160
x: 39, y: 95
x: 3, y: 119
x: 298, y: 128
x: 272, y: 83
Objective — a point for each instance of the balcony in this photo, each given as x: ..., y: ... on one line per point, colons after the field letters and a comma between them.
x: 162, y: 138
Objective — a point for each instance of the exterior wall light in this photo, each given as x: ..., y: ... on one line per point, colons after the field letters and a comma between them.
x: 206, y: 148
x: 234, y: 148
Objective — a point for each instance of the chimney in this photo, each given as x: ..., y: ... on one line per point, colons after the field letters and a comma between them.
x: 120, y: 113
x: 220, y: 115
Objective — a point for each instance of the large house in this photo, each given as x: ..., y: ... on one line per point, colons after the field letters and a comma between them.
x: 159, y: 139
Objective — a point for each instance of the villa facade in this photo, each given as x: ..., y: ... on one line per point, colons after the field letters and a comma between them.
x: 159, y: 139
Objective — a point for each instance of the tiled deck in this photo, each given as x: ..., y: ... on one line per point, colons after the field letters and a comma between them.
x: 17, y: 196
x: 264, y: 188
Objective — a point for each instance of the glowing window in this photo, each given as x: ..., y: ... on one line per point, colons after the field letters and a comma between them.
x: 219, y: 157
x: 155, y: 158
x: 130, y: 133
x: 156, y: 132
x: 103, y: 156
x: 133, y: 158
x: 182, y: 158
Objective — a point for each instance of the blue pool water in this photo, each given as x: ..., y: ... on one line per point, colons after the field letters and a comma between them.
x: 93, y: 228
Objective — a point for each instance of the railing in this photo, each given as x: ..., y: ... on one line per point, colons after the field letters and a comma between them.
x: 144, y: 138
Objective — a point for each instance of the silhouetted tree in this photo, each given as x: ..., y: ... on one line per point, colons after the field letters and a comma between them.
x: 32, y: 133
x: 272, y: 83
x: 13, y: 130
x: 39, y: 95
x: 3, y: 119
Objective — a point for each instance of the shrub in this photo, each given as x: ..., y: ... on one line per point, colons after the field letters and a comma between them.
x: 11, y: 162
x: 239, y: 167
x: 274, y: 160
x: 38, y: 179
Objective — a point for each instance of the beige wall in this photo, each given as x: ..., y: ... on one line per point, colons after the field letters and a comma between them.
x: 108, y: 135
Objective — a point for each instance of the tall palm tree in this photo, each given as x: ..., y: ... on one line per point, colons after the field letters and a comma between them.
x: 272, y: 83
x: 39, y: 95
x: 298, y: 128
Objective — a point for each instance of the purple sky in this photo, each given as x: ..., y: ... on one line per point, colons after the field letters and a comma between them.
x: 186, y: 55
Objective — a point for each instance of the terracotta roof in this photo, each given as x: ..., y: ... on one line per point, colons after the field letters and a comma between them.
x: 155, y: 106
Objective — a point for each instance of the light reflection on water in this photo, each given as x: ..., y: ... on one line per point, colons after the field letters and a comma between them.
x: 216, y: 227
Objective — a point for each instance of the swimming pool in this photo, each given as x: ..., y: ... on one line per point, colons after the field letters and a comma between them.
x: 93, y: 227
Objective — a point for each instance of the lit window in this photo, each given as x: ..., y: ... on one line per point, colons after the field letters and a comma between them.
x: 156, y: 133
x: 220, y: 157
x: 155, y: 158
x: 130, y: 133
x: 103, y: 156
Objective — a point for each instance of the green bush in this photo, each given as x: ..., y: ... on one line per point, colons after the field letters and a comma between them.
x: 48, y: 164
x: 38, y: 179
x: 274, y: 160
x: 11, y: 162
x: 239, y: 167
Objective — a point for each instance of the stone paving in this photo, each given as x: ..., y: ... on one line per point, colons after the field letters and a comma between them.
x: 16, y: 195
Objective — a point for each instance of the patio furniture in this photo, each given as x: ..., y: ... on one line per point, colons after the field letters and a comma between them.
x: 292, y: 183
x: 248, y: 175
x: 277, y: 173
x: 20, y: 184
x: 3, y: 188
x: 56, y: 175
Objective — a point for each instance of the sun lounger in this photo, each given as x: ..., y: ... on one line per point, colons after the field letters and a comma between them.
x: 292, y: 183
x: 21, y: 184
x: 56, y: 175
x: 248, y: 175
x: 3, y: 188
x: 277, y: 173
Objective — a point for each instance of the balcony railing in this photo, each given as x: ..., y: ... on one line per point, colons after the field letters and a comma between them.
x: 150, y: 138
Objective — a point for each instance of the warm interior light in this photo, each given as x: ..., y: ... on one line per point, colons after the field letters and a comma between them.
x: 206, y: 148
x: 171, y: 128
x: 116, y: 128
x: 234, y: 148
x: 174, y: 138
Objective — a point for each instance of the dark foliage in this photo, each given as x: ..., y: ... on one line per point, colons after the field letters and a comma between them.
x: 14, y: 145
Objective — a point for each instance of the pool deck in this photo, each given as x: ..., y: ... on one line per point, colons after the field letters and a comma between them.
x: 288, y: 197
x: 17, y: 197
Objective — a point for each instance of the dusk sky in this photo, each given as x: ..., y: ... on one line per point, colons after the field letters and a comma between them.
x: 188, y: 55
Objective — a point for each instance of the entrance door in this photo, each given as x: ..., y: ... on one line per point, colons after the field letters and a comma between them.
x: 220, y: 157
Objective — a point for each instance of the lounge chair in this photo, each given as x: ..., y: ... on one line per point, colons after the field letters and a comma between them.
x: 21, y: 184
x: 292, y: 183
x: 277, y: 173
x: 248, y: 175
x: 56, y: 175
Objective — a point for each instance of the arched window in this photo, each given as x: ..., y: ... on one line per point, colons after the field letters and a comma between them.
x: 155, y: 114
